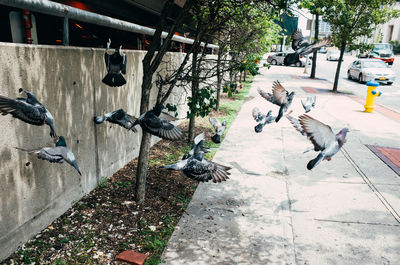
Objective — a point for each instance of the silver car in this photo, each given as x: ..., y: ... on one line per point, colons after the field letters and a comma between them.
x: 365, y: 70
x: 277, y: 59
x: 333, y: 55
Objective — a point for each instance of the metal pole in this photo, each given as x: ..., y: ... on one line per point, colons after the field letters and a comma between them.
x: 66, y: 32
x: 60, y: 10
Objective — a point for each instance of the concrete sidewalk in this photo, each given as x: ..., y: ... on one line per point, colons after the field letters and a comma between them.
x: 275, y: 211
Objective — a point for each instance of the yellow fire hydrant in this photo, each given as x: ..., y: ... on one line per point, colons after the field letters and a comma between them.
x: 371, y: 95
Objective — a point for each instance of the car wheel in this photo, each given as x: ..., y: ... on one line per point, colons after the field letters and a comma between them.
x: 298, y: 64
x: 360, y: 79
x: 349, y: 75
x: 274, y: 62
x: 389, y: 83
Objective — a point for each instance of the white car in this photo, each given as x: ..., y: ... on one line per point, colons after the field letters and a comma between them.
x: 365, y: 70
x: 333, y: 55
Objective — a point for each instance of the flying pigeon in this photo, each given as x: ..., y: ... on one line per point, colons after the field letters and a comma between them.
x: 155, y: 122
x: 116, y: 66
x: 28, y: 109
x: 302, y: 47
x: 197, y: 146
x: 57, y: 154
x: 119, y: 117
x: 196, y: 167
x: 280, y: 96
x: 308, y: 103
x: 262, y: 119
x: 219, y: 129
x: 321, y: 136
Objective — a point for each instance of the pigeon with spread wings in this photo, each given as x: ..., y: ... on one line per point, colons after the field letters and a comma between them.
x: 262, y: 119
x: 29, y: 110
x: 195, y: 166
x: 309, y: 103
x: 116, y: 66
x: 321, y: 136
x: 302, y: 47
x: 219, y: 129
x: 153, y: 122
x: 119, y: 117
x: 57, y: 154
x: 280, y: 96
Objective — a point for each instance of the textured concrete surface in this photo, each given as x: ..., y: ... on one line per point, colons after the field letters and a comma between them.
x: 67, y: 80
x: 275, y: 211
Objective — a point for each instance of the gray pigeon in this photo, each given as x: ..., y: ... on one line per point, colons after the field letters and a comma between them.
x: 153, y: 123
x: 57, y: 154
x: 302, y: 47
x: 219, y: 129
x: 262, y: 119
x: 116, y: 66
x: 280, y: 96
x: 309, y: 103
x: 119, y: 117
x: 196, y: 167
x: 321, y: 136
x: 197, y: 146
x: 29, y: 110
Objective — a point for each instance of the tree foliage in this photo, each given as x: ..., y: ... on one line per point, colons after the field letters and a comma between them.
x: 351, y: 19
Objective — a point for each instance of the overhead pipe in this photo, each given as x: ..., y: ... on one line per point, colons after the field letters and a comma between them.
x: 60, y: 10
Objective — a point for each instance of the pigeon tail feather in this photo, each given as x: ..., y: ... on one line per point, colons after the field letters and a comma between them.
x: 314, y: 162
x: 258, y: 128
x: 291, y: 58
x: 114, y: 80
x: 216, y: 138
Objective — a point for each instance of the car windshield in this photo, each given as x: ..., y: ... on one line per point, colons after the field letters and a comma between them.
x: 334, y: 52
x: 374, y: 64
x: 381, y: 46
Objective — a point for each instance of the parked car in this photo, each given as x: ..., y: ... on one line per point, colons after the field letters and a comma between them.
x: 277, y: 59
x: 333, y: 55
x: 365, y: 70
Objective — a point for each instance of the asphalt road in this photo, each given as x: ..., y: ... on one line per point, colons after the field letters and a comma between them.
x: 390, y: 93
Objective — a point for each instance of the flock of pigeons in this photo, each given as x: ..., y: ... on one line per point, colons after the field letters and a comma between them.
x: 320, y: 134
x: 158, y: 123
x: 154, y: 121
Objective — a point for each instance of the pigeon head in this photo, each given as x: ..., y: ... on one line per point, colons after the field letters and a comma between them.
x: 341, y: 136
x: 157, y: 109
x: 61, y: 141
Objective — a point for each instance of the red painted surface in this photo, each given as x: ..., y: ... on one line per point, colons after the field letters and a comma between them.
x: 393, y: 154
x: 309, y: 89
x: 132, y: 257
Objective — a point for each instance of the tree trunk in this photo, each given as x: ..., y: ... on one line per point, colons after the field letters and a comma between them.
x: 195, y: 88
x: 219, y: 77
x: 244, y: 75
x: 314, y: 60
x: 141, y: 173
x: 335, y: 84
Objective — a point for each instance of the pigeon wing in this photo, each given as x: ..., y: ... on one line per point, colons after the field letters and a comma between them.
x: 127, y: 121
x: 297, y: 37
x: 205, y: 170
x: 321, y: 43
x: 162, y: 128
x: 215, y: 123
x: 296, y: 124
x: 267, y: 96
x: 256, y: 114
x: 51, y: 154
x: 280, y: 93
x: 320, y: 134
x: 22, y: 110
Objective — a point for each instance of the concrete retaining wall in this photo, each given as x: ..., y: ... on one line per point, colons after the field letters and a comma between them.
x: 67, y: 80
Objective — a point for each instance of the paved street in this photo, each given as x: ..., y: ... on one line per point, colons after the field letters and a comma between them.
x: 391, y: 94
x: 275, y: 211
